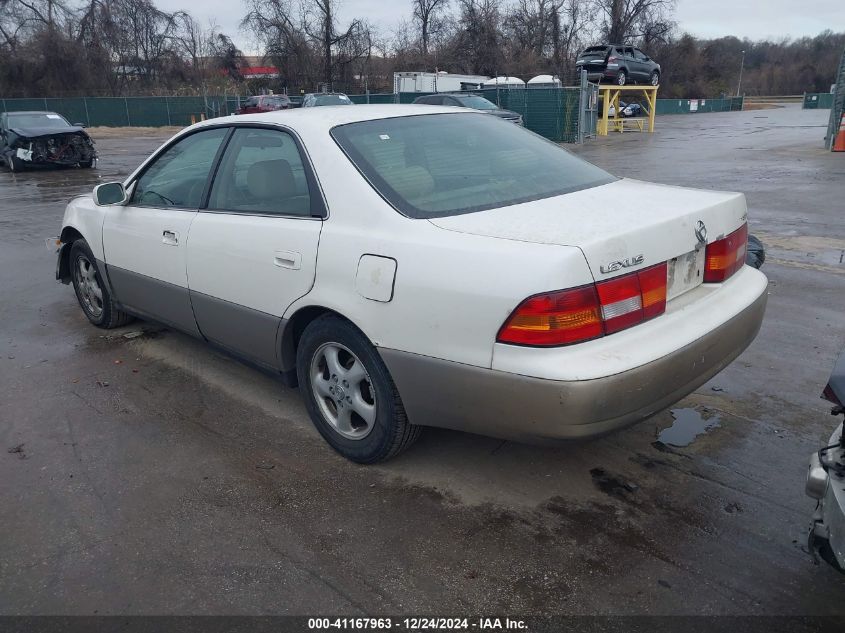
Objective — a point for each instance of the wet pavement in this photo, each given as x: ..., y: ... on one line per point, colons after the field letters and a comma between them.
x: 144, y: 473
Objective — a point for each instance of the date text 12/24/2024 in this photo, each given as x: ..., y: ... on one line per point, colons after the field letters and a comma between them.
x: 417, y: 624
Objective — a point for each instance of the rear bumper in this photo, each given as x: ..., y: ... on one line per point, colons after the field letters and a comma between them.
x: 827, y: 530
x: 514, y: 406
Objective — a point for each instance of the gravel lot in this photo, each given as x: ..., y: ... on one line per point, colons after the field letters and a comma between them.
x: 156, y: 476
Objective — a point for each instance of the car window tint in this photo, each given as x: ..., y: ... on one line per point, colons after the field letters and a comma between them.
x: 447, y: 164
x: 178, y: 176
x: 639, y: 54
x: 261, y: 172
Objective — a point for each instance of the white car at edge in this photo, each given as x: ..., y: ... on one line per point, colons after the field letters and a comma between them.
x: 414, y: 266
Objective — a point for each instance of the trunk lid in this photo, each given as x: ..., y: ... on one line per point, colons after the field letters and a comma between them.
x: 620, y: 227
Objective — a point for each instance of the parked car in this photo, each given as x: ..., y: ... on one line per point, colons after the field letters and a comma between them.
x: 626, y: 110
x: 264, y: 103
x: 30, y: 139
x: 469, y: 100
x: 315, y: 99
x: 826, y: 482
x: 619, y: 64
x: 412, y: 265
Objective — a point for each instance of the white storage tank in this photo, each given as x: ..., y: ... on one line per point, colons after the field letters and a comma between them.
x: 504, y: 82
x: 544, y: 81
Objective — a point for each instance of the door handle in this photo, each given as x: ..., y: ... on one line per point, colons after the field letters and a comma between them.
x: 288, y: 259
x: 170, y: 238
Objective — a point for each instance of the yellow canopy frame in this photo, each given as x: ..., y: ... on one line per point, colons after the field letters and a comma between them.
x: 610, y: 93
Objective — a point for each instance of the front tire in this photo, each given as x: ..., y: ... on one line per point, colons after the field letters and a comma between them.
x: 15, y: 163
x: 93, y: 295
x: 655, y: 78
x: 349, y: 393
x: 621, y: 78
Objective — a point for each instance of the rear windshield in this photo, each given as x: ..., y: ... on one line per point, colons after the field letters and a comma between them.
x: 476, y: 102
x: 324, y: 100
x: 438, y: 165
x: 37, y: 120
x: 594, y: 51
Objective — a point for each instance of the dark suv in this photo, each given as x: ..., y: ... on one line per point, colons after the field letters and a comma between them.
x: 619, y: 64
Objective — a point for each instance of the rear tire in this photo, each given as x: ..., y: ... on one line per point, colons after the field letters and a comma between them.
x: 349, y: 393
x: 655, y: 78
x: 93, y: 295
x: 621, y: 78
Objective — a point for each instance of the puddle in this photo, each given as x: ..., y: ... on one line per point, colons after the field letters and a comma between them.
x: 688, y: 425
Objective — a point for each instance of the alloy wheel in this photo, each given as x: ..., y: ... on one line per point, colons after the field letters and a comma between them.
x: 88, y: 285
x: 343, y: 391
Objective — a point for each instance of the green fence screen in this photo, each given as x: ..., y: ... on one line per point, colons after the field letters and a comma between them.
x: 818, y: 100
x: 695, y: 106
x: 551, y: 112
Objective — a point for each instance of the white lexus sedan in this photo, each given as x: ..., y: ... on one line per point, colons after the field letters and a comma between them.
x: 413, y: 266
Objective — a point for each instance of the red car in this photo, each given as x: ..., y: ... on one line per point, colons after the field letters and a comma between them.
x: 264, y: 103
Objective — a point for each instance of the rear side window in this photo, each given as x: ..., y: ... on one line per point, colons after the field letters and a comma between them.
x: 446, y: 164
x: 178, y: 176
x: 261, y: 172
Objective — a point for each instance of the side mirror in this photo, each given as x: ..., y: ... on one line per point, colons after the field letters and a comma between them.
x: 109, y: 194
x: 79, y: 125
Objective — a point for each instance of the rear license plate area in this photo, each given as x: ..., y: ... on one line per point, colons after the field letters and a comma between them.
x: 684, y: 273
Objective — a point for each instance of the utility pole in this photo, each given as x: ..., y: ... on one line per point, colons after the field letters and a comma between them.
x: 741, y: 66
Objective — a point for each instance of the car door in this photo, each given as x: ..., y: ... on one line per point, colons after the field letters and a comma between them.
x: 643, y: 65
x: 630, y: 63
x: 145, y: 240
x: 253, y: 249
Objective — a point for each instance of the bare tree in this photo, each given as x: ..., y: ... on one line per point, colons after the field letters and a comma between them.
x: 306, y: 33
x: 477, y: 43
x: 426, y: 14
x: 624, y: 20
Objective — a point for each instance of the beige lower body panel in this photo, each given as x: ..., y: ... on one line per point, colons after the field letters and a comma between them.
x: 452, y: 395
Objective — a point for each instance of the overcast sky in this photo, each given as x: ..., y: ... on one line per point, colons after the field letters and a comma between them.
x: 756, y: 19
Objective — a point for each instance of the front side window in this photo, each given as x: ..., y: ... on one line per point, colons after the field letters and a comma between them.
x: 178, y: 176
x: 438, y: 165
x: 261, y: 172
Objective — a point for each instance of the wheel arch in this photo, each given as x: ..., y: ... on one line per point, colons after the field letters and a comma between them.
x: 68, y: 236
x: 291, y: 332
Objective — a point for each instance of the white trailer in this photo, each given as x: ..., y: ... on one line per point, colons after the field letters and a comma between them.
x: 435, y: 82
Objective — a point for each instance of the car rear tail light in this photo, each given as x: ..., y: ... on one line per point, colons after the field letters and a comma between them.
x: 725, y: 256
x: 580, y: 314
x: 554, y: 318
